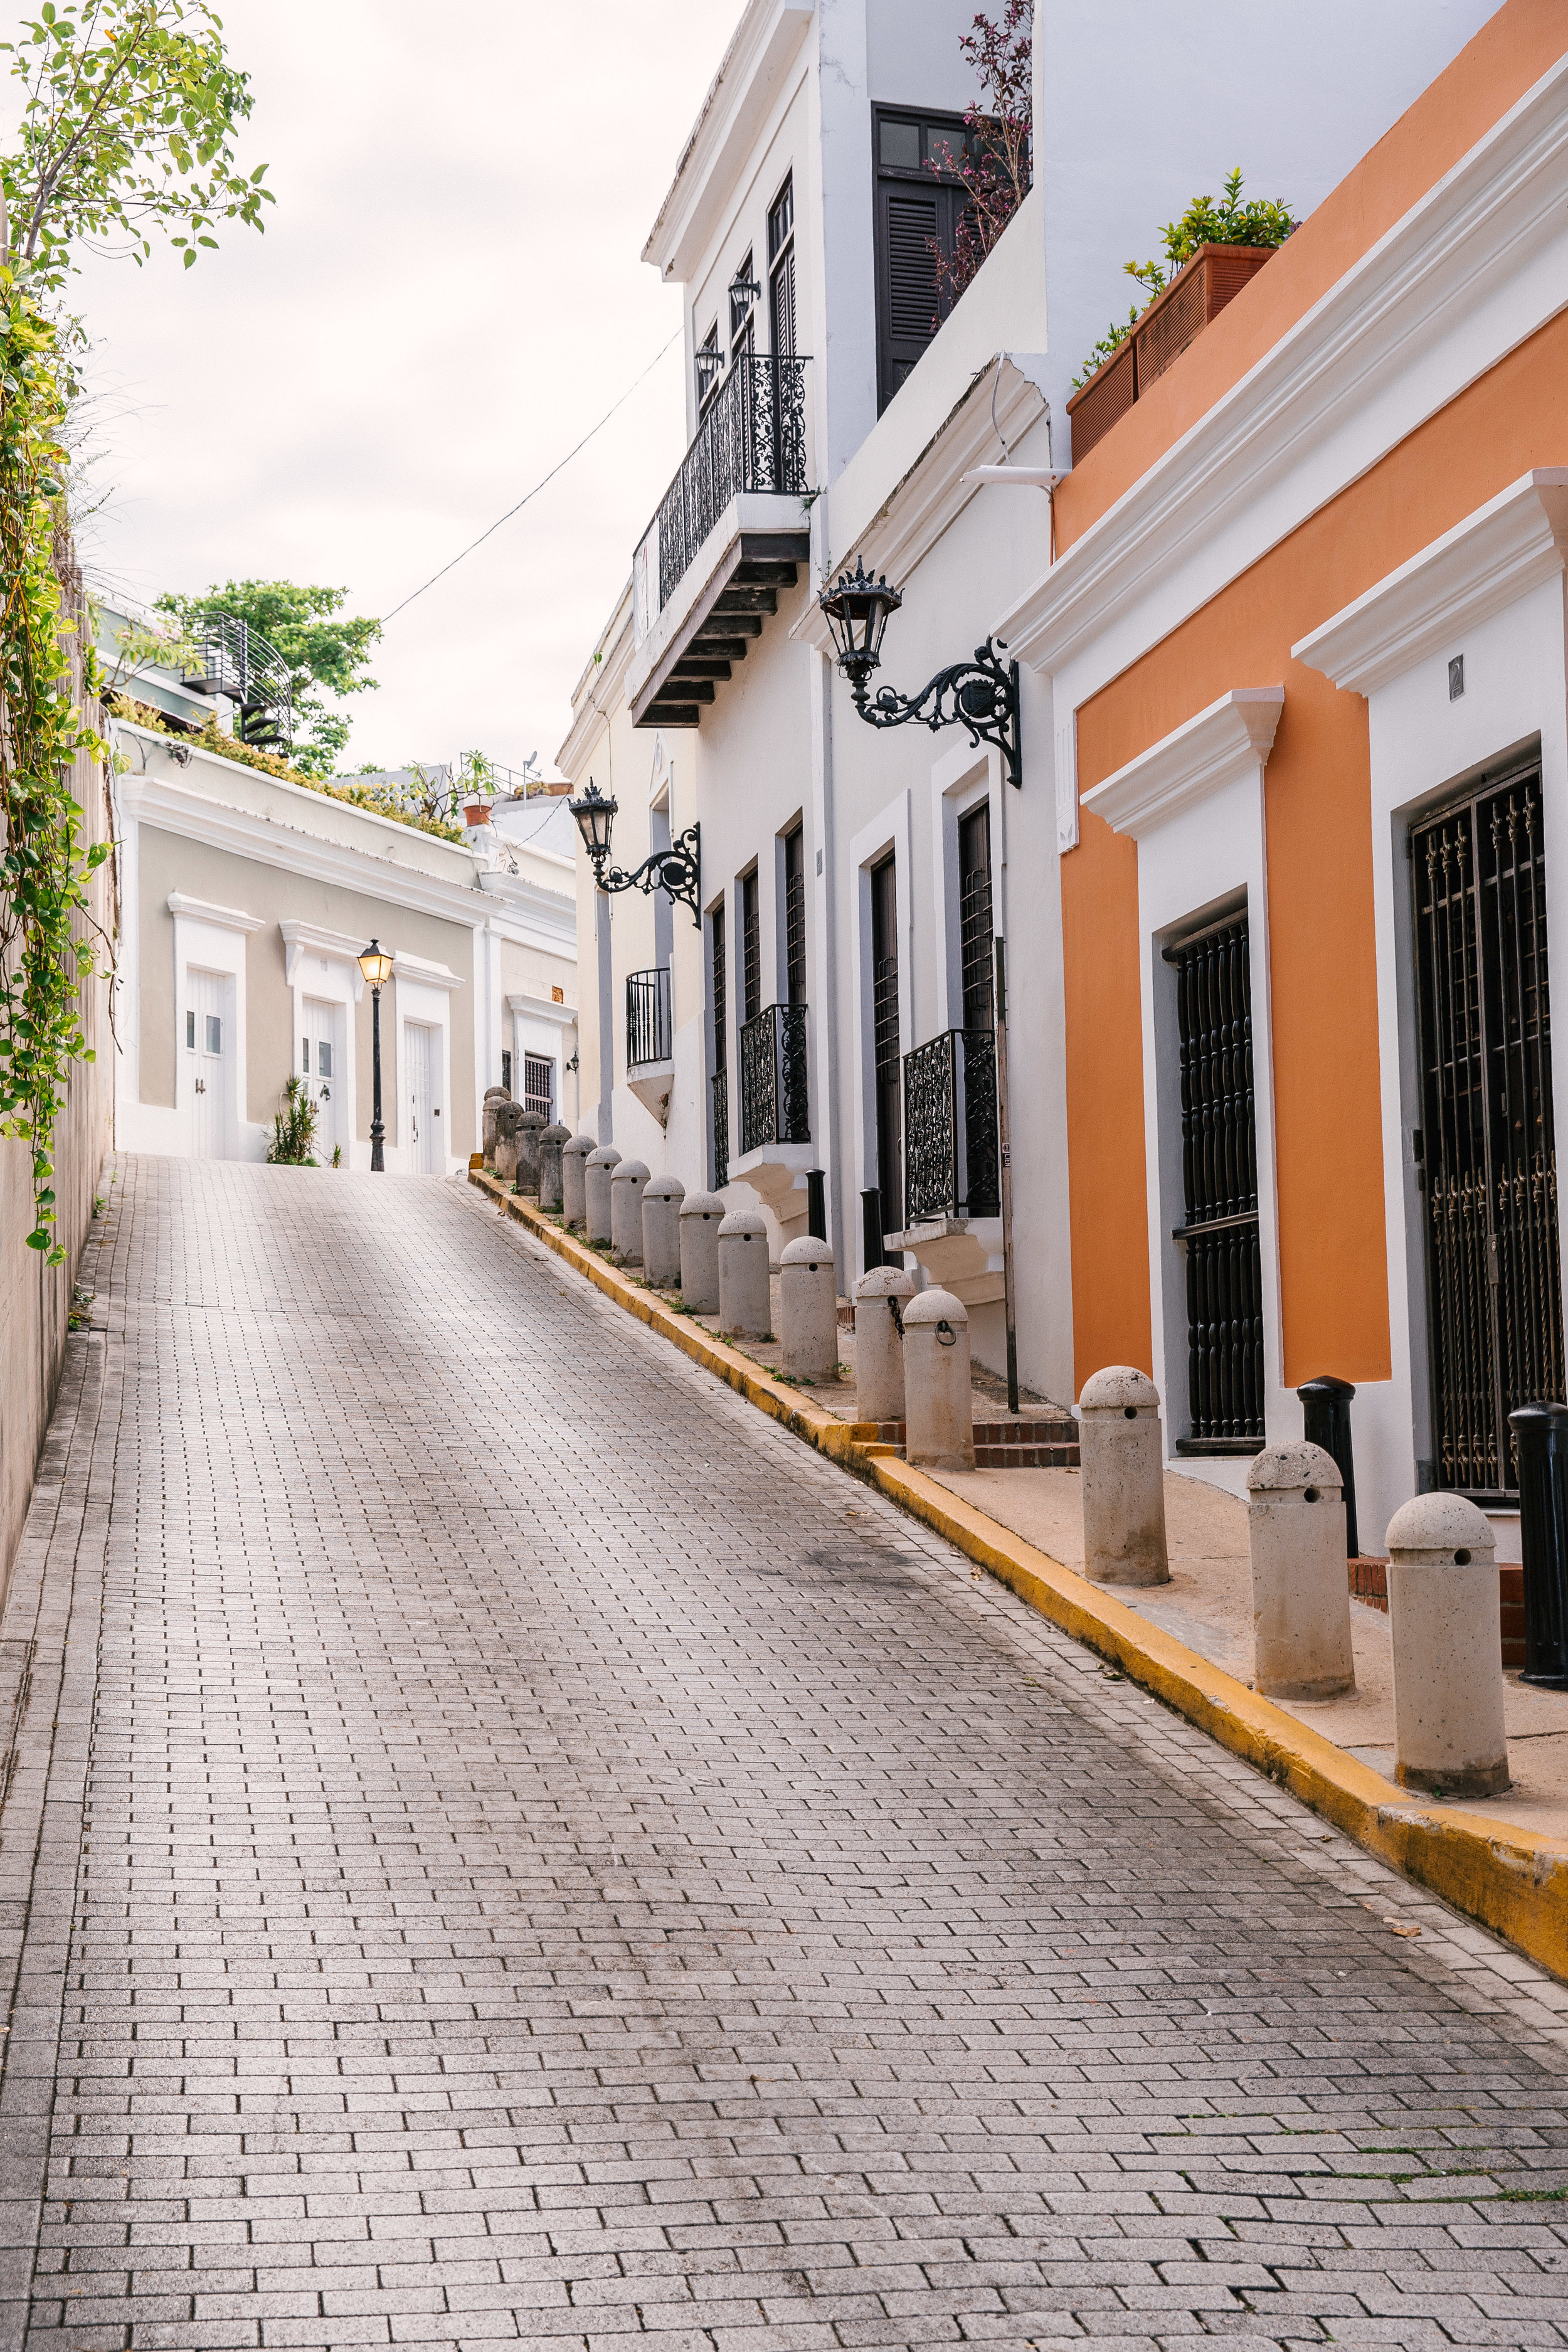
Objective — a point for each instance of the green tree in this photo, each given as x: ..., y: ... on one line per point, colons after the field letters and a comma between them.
x: 320, y: 648
x: 127, y: 126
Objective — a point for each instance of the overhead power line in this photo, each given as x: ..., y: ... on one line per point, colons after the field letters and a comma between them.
x: 537, y: 488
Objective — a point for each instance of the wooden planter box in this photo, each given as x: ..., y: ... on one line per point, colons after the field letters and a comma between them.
x: 1199, y: 292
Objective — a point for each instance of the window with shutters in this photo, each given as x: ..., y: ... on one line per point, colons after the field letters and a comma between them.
x: 781, y: 270
x: 743, y: 312
x: 887, y: 1065
x: 718, y: 1082
x: 750, y: 948
x: 975, y: 927
x: 795, y: 915
x: 710, y: 367
x: 915, y: 206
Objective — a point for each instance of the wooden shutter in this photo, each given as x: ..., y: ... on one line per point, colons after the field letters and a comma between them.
x: 913, y: 208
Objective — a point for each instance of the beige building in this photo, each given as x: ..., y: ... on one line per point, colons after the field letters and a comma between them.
x: 246, y: 901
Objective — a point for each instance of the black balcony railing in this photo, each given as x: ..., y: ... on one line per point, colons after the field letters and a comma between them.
x: 721, y: 1086
x: 647, y: 1017
x: 774, y: 1106
x: 751, y: 437
x: 952, y: 1163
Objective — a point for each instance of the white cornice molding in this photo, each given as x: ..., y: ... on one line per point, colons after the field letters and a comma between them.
x: 599, y: 690
x: 151, y: 799
x: 222, y: 918
x: 741, y: 97
x: 543, y: 1009
x: 1203, y: 756
x: 933, y: 493
x: 428, y: 975
x: 1480, y: 224
x: 301, y: 939
x: 1490, y: 559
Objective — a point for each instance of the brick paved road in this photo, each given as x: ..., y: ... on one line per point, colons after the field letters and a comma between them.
x: 502, y: 1843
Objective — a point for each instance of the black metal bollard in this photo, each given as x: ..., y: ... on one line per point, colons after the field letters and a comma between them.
x: 1327, y: 1402
x: 817, y: 1203
x: 871, y: 1249
x: 1540, y: 1434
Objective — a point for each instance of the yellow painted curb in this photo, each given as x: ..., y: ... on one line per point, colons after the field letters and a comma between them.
x: 1510, y: 1879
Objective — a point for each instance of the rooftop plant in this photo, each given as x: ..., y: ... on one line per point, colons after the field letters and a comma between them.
x: 994, y: 166
x: 1261, y: 222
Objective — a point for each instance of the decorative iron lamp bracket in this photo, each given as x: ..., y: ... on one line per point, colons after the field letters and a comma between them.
x: 676, y: 871
x: 981, y: 695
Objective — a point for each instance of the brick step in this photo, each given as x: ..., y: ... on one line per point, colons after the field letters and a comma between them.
x: 1006, y: 1445
x: 1369, y: 1583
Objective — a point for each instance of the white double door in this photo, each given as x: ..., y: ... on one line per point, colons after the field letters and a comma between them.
x: 209, y: 1049
x: 421, y: 1097
x: 322, y: 1067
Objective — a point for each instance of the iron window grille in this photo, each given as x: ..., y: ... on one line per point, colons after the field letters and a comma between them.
x: 539, y: 1084
x: 1219, y: 1184
x: 719, y: 1088
x: 750, y: 437
x: 886, y: 1061
x: 648, y: 1028
x: 1486, y: 1148
x: 750, y: 948
x: 976, y: 952
x: 952, y: 1159
x: 775, y: 1107
x: 794, y: 916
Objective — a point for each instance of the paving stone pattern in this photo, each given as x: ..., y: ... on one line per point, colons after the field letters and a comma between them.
x: 505, y: 1844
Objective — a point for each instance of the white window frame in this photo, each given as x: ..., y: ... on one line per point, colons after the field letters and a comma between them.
x: 209, y: 938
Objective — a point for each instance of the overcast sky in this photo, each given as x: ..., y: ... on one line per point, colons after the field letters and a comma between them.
x: 449, y: 293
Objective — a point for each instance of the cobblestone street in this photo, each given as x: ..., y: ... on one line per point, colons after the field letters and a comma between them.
x: 503, y: 1842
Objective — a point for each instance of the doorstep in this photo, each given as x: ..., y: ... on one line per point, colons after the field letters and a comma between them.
x: 1184, y: 1642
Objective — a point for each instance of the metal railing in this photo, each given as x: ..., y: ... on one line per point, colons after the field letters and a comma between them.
x: 951, y: 1163
x: 751, y: 438
x: 773, y: 1104
x: 720, y: 1084
x: 648, y: 1029
x: 236, y: 661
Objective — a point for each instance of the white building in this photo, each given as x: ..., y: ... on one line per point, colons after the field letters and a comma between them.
x: 854, y: 882
x: 245, y: 900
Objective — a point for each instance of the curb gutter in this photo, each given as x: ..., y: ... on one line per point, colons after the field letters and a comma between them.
x: 1508, y: 1879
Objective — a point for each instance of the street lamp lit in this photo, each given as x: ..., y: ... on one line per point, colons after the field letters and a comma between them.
x: 857, y: 610
x: 376, y: 965
x: 594, y: 817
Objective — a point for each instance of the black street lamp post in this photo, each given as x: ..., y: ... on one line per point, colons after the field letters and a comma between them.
x: 676, y: 870
x: 376, y: 966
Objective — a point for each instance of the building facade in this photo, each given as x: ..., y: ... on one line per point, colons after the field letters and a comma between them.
x: 1197, y: 868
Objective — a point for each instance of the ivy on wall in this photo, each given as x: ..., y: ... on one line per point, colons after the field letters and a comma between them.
x: 47, y: 947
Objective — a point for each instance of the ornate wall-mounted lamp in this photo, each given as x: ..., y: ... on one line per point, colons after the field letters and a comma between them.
x: 676, y: 871
x: 981, y: 695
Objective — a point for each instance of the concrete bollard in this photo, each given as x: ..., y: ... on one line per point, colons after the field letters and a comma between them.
x: 1300, y: 1593
x: 628, y: 1185
x: 1122, y: 1456
x: 494, y: 1097
x: 661, y: 1230
x: 596, y: 1176
x: 507, y: 1120
x: 574, y: 1159
x: 808, y: 1310
x: 1444, y: 1610
x: 879, y: 1298
x: 551, y: 1144
x: 530, y: 1128
x: 745, y: 1291
x: 938, y: 1406
x: 701, y: 1215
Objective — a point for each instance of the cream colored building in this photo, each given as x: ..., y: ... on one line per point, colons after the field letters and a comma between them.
x: 245, y: 901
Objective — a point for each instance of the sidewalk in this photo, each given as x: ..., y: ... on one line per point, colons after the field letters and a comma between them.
x: 1503, y: 1862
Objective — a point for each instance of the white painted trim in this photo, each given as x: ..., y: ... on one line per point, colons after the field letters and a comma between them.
x: 301, y: 939
x: 416, y: 969
x: 1491, y: 558
x: 222, y: 918
x: 1470, y: 270
x: 541, y: 1008
x: 1201, y: 756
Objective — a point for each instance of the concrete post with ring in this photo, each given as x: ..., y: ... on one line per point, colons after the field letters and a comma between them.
x: 551, y: 1144
x: 628, y: 1185
x: 494, y: 1097
x: 507, y: 1119
x: 939, y: 1404
x: 662, y: 1200
x: 600, y: 1169
x: 1122, y: 1453
x: 1301, y: 1591
x: 530, y: 1128
x: 809, y: 1309
x: 745, y: 1290
x: 701, y: 1215
x: 574, y: 1159
x: 880, y: 1298
x: 1443, y: 1612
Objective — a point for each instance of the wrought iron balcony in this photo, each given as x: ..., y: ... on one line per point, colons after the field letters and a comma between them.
x: 951, y: 1159
x: 774, y: 1106
x: 751, y: 442
x: 720, y: 1089
x: 648, y: 1026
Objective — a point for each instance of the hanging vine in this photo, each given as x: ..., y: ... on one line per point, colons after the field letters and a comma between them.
x: 47, y: 947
